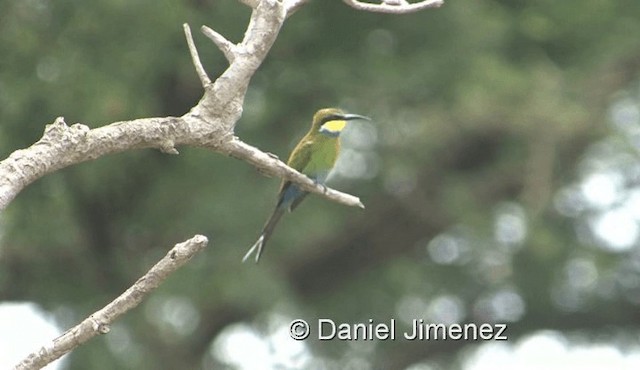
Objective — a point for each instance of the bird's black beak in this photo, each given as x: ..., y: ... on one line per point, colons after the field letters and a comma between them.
x: 350, y: 117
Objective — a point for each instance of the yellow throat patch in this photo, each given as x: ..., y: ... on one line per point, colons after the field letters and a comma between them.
x: 333, y: 127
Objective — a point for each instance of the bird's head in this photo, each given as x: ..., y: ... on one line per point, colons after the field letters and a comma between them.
x: 331, y: 121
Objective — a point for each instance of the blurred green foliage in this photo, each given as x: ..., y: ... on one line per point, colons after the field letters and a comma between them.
x: 471, y: 173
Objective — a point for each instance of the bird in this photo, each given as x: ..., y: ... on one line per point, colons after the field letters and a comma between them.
x: 314, y: 156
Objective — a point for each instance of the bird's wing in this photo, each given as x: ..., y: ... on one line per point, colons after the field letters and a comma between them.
x: 301, y: 155
x: 299, y: 159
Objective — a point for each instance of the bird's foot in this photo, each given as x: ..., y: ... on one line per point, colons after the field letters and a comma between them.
x: 317, y: 182
x: 325, y: 189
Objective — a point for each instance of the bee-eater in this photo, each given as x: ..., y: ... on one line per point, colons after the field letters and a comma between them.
x: 315, y: 156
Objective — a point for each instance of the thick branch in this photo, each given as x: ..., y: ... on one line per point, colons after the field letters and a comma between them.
x: 228, y: 90
x: 98, y: 322
x: 62, y: 146
x: 395, y: 6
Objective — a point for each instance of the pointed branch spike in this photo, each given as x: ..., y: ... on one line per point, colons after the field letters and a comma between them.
x: 227, y: 48
x: 195, y: 58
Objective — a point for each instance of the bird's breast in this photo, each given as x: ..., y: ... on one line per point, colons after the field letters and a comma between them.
x: 322, y: 160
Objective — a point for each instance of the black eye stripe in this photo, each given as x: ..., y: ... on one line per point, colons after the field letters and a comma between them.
x: 333, y: 117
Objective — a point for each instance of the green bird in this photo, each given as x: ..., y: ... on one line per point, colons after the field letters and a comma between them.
x: 315, y: 156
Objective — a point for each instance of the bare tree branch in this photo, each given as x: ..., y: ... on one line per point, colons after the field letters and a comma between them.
x: 62, y: 146
x: 227, y: 47
x: 394, y: 6
x: 99, y: 321
x: 195, y: 58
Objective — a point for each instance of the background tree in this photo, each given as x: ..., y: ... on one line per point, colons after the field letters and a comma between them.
x: 503, y: 146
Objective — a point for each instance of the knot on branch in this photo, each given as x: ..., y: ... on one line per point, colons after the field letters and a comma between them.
x: 168, y: 147
x: 99, y: 327
x: 59, y: 132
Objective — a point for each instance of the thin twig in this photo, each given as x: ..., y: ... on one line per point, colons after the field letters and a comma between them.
x: 227, y: 47
x: 195, y: 58
x: 98, y: 322
x: 402, y: 7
